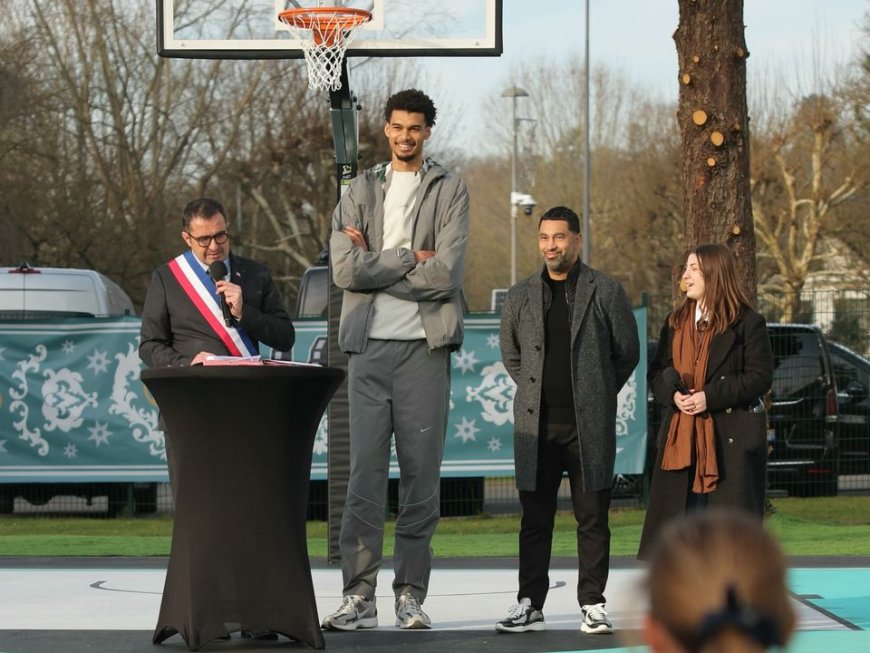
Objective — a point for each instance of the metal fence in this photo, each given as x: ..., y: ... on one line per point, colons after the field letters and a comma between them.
x: 842, y: 316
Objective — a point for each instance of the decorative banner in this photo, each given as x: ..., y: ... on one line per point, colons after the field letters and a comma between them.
x: 480, y: 424
x: 72, y: 407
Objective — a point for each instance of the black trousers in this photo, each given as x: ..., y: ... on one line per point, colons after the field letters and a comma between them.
x: 559, y: 452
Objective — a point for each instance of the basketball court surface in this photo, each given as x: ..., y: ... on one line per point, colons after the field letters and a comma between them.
x: 109, y: 604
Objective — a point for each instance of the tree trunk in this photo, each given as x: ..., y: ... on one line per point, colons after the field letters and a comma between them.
x: 714, y: 128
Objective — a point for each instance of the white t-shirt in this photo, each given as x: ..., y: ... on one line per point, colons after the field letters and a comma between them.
x: 398, y: 319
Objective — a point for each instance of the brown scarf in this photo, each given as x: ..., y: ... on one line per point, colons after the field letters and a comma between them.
x: 691, y: 350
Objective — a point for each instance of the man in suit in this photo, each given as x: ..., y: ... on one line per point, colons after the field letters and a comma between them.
x: 569, y: 341
x: 182, y: 321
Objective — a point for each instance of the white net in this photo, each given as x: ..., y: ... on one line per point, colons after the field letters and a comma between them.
x: 324, y: 34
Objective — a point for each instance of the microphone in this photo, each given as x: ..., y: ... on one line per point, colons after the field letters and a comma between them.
x: 217, y: 271
x: 672, y: 378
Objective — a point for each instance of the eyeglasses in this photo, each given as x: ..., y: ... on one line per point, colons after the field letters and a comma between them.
x: 204, y: 241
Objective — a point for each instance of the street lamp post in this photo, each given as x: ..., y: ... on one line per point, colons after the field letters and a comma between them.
x: 587, y: 164
x: 514, y: 92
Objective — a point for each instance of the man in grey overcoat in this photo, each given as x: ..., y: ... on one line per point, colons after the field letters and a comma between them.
x: 569, y: 341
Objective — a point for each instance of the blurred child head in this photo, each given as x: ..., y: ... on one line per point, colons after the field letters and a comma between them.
x: 716, y: 583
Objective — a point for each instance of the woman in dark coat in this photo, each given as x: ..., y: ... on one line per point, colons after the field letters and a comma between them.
x: 712, y: 367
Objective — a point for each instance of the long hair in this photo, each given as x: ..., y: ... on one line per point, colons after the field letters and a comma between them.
x: 724, y: 299
x: 717, y: 582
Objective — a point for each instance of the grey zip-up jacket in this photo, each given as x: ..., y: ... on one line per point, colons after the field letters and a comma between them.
x: 440, y: 223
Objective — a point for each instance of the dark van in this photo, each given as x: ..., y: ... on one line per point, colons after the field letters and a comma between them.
x: 803, y: 414
x: 852, y: 372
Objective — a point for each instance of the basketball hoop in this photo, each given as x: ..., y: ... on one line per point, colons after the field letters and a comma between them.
x: 324, y: 34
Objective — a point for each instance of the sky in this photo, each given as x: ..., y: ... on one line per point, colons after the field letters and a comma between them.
x: 634, y: 37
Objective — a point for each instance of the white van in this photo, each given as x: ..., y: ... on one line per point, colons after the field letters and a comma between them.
x: 35, y: 293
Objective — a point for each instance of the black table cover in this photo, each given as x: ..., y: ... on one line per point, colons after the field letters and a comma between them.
x: 242, y: 441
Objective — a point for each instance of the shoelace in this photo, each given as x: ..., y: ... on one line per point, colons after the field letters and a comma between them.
x: 517, y: 611
x: 351, y: 604
x: 409, y: 603
x: 596, y: 612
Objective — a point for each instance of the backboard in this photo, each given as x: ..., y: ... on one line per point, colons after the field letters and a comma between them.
x: 249, y: 29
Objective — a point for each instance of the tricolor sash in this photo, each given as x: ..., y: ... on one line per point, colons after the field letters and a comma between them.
x: 199, y: 287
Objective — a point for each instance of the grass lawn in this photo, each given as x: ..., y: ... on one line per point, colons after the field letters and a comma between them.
x: 838, y: 526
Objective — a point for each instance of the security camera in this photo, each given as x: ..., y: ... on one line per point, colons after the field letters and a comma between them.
x: 528, y: 204
x: 525, y: 201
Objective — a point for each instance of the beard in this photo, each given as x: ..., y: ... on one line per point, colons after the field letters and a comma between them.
x: 560, y: 265
x: 406, y: 157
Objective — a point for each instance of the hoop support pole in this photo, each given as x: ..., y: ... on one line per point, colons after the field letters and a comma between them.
x: 344, y: 111
x: 345, y: 121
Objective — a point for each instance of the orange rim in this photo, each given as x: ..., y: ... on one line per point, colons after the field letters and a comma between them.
x: 325, y: 23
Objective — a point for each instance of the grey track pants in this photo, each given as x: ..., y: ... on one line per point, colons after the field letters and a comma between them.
x: 395, y: 387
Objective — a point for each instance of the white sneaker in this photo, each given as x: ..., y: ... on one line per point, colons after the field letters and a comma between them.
x: 409, y: 614
x: 522, y: 618
x: 593, y: 619
x: 355, y: 612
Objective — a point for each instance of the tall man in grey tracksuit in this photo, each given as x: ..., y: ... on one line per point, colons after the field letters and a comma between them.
x: 569, y: 341
x: 397, y: 248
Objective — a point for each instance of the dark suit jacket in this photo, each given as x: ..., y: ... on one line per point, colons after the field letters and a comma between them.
x: 174, y: 331
x: 739, y: 371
